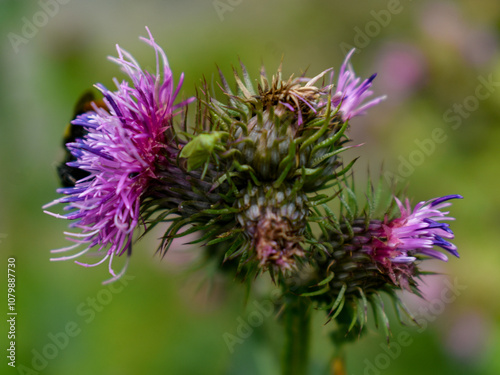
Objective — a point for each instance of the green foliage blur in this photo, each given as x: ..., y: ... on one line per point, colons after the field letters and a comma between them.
x: 438, y: 132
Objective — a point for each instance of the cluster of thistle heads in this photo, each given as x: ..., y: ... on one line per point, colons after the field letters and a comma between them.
x: 258, y: 174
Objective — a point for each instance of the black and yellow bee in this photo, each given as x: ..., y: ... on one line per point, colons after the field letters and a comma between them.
x: 69, y: 175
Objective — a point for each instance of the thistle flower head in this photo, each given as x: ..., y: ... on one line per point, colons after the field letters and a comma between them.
x: 362, y: 256
x: 122, y: 149
x: 350, y: 93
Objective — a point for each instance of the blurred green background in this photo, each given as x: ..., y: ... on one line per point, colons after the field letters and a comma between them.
x: 439, y: 64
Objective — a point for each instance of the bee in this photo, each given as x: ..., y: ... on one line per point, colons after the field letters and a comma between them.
x: 68, y: 175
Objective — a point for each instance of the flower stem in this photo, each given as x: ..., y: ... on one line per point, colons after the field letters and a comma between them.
x: 296, y: 354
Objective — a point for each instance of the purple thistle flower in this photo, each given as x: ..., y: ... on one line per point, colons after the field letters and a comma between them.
x: 121, y: 151
x: 350, y: 93
x: 397, y: 243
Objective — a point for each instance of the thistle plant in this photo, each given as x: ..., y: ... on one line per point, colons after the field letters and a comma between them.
x: 256, y: 172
